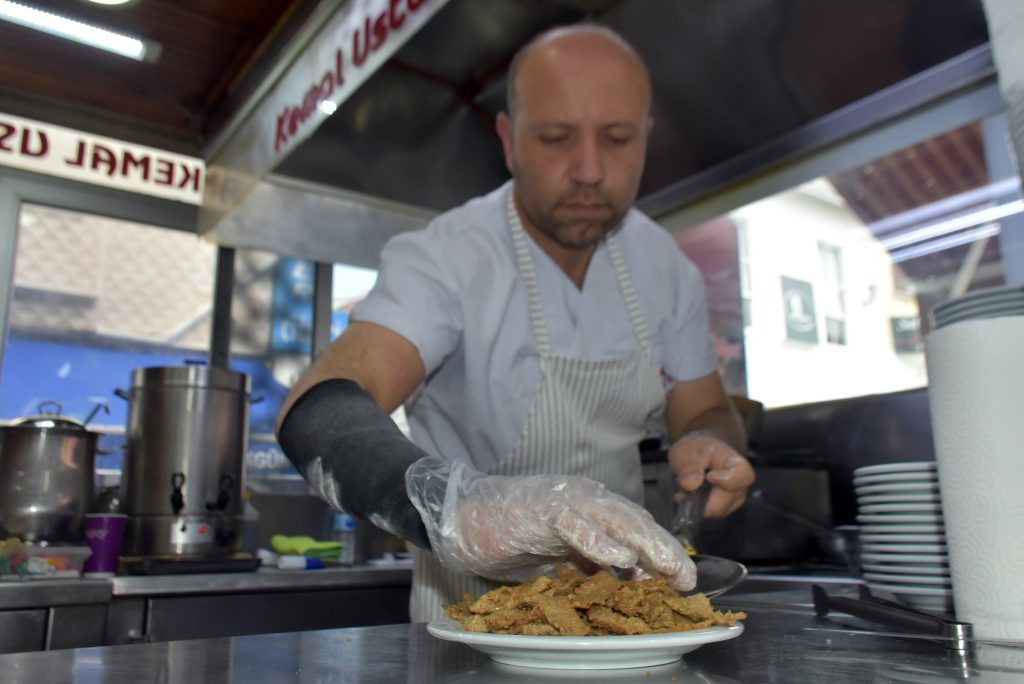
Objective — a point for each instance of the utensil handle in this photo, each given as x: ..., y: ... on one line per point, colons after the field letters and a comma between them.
x: 890, y: 614
x: 690, y: 514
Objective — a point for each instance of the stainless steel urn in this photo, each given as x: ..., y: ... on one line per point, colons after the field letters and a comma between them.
x: 184, y: 470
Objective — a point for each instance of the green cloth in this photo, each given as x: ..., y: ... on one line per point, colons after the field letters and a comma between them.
x: 306, y: 546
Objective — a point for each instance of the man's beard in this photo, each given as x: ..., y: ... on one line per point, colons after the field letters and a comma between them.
x: 576, y: 233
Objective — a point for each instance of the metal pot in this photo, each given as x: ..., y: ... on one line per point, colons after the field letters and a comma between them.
x: 47, y: 471
x: 184, y: 471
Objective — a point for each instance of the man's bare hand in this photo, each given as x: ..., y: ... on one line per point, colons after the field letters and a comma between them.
x: 696, y: 456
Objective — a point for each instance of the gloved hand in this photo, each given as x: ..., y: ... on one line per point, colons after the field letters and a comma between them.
x: 511, y: 528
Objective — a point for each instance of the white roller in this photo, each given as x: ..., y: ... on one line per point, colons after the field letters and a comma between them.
x: 1006, y: 34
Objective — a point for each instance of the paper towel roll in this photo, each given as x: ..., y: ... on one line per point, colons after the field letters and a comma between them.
x: 976, y: 395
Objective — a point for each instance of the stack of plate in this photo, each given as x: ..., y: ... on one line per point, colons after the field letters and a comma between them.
x: 903, y: 539
x: 988, y: 303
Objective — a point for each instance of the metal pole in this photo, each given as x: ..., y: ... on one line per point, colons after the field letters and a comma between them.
x: 323, y: 283
x: 220, y: 330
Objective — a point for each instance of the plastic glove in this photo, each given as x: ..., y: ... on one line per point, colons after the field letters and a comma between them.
x: 511, y: 528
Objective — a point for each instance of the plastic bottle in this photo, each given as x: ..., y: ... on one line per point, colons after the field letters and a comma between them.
x: 344, y: 528
x: 299, y: 563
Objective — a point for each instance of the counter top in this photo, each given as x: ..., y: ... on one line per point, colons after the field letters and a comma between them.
x: 264, y: 579
x: 783, y: 642
x: 43, y: 593
x: 87, y: 590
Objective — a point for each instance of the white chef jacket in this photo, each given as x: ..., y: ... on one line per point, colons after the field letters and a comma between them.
x: 453, y: 290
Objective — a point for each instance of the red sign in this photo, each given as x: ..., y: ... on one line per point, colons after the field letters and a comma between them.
x: 367, y: 38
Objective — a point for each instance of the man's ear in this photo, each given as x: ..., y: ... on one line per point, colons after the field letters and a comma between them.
x: 503, y: 126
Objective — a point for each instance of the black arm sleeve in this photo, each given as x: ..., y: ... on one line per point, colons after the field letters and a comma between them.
x: 354, y: 456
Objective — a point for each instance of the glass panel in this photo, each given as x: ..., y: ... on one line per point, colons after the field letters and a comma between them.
x: 271, y: 341
x: 823, y: 291
x: 95, y: 298
x: 349, y: 286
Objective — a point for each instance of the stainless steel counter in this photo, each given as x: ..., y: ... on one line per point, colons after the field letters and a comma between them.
x: 77, y: 591
x: 264, y: 579
x: 783, y: 642
x: 55, y: 592
x: 79, y: 612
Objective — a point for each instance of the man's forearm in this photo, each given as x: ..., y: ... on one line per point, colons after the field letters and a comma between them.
x: 354, y: 456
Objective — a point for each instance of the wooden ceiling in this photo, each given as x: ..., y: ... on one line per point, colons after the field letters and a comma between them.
x: 211, y: 52
x: 946, y: 165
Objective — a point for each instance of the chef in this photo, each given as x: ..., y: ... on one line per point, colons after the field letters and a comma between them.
x: 535, y: 335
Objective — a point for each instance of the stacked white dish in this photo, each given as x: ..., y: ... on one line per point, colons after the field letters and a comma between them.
x: 902, y: 534
x: 993, y: 302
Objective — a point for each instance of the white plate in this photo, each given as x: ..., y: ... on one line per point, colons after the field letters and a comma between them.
x: 583, y: 653
x: 899, y: 498
x: 991, y: 311
x: 984, y: 295
x: 937, y: 580
x: 897, y: 487
x: 988, y: 299
x: 932, y: 528
x: 907, y: 467
x: 913, y: 549
x: 916, y: 507
x: 928, y: 558
x: 903, y: 538
x: 899, y: 518
x: 896, y: 477
x: 907, y: 568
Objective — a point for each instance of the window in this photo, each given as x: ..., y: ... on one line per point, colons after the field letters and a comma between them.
x: 349, y: 286
x: 94, y: 298
x: 837, y: 275
x: 271, y: 342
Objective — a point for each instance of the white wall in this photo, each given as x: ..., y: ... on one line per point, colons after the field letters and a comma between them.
x: 782, y: 235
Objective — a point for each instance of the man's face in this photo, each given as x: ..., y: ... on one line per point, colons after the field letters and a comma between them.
x: 577, y: 141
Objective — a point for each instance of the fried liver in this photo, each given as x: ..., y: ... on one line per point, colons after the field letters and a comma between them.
x: 572, y: 604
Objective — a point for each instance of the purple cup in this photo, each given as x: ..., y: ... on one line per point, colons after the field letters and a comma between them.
x: 103, y: 534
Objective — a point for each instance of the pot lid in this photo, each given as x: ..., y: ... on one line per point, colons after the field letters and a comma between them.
x: 191, y: 375
x: 49, y: 417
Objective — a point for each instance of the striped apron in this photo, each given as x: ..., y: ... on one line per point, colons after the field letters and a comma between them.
x: 587, y: 419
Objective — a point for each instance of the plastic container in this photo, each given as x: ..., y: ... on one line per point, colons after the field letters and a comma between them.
x: 22, y: 561
x: 299, y: 563
x: 344, y: 528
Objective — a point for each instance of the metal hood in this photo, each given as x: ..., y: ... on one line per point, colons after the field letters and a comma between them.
x: 733, y: 80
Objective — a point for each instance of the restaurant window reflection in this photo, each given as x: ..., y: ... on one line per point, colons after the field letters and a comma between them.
x: 94, y: 298
x: 875, y: 247
x: 271, y: 341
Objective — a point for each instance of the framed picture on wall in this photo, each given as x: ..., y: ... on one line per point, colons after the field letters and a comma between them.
x: 798, y: 304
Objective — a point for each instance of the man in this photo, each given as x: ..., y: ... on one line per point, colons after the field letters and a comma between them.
x: 534, y: 335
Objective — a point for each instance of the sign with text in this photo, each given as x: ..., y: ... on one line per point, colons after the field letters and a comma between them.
x: 64, y: 152
x: 352, y: 45
x: 906, y: 334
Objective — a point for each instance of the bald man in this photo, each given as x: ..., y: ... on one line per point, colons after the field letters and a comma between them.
x: 535, y: 336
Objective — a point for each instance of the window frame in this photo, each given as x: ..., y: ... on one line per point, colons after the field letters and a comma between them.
x: 18, y: 187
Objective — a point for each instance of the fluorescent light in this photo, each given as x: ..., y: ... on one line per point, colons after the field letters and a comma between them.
x: 935, y: 230
x: 110, y: 3
x: 946, y: 242
x: 328, y: 107
x: 71, y: 29
x: 985, y: 194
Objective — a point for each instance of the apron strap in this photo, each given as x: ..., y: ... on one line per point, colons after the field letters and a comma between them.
x: 525, y: 262
x: 636, y: 312
x: 529, y: 276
